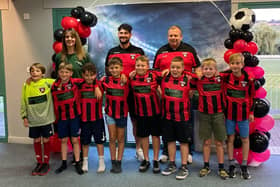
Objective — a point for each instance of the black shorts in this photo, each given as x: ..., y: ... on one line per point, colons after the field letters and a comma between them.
x: 177, y: 131
x: 147, y: 126
x: 45, y: 131
x: 95, y: 129
x: 131, y: 105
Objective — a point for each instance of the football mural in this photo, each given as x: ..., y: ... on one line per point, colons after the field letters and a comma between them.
x: 241, y: 40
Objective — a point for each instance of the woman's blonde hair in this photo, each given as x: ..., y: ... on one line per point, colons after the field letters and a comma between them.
x: 80, y: 52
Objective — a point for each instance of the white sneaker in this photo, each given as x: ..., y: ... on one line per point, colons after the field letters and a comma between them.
x: 139, y: 155
x: 163, y: 158
x: 85, y: 165
x: 190, y: 159
x: 101, y: 167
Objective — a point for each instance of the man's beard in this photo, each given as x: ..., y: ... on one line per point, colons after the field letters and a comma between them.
x: 124, y: 42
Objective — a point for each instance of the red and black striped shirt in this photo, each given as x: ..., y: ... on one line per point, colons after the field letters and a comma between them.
x: 165, y: 54
x: 91, y: 107
x: 66, y: 99
x: 145, y: 94
x: 239, y: 92
x: 116, y: 97
x: 211, y: 97
x: 128, y: 57
x: 175, y: 98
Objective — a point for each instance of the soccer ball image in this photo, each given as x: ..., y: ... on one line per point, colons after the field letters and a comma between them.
x: 243, y: 19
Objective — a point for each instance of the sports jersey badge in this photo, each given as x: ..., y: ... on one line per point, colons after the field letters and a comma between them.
x: 79, y: 63
x: 218, y: 79
x: 149, y: 79
x: 185, y: 54
x: 243, y: 83
x: 132, y: 56
x: 69, y: 86
x: 42, y: 90
x: 182, y: 83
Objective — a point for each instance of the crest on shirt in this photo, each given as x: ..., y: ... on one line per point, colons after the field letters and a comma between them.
x: 79, y: 63
x: 185, y: 54
x: 132, y: 56
x: 243, y: 83
x: 42, y: 90
x: 69, y: 86
x: 218, y: 79
x: 182, y: 83
x: 149, y: 79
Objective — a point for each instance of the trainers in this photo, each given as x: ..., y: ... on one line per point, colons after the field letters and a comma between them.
x: 245, y: 173
x: 223, y: 174
x: 204, y: 171
x: 171, y: 168
x: 118, y: 168
x: 156, y: 168
x: 61, y: 169
x: 85, y: 165
x: 144, y: 166
x: 163, y: 158
x: 44, y: 169
x: 79, y: 168
x: 232, y: 171
x: 36, y: 170
x: 189, y: 159
x: 183, y: 172
x: 101, y: 166
x: 139, y: 155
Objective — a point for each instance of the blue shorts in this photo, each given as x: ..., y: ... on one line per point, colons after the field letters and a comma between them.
x: 242, y: 125
x: 121, y: 123
x: 95, y: 129
x: 68, y: 128
x: 41, y: 131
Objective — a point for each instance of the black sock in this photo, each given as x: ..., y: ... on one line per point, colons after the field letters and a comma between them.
x: 78, y: 168
x: 62, y: 167
x: 221, y: 165
x: 206, y: 164
x: 64, y: 163
x: 172, y: 162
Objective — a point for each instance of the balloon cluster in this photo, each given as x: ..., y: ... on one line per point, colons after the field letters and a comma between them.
x: 81, y: 21
x: 240, y: 41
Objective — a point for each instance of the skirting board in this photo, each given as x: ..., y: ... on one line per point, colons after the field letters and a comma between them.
x: 20, y: 140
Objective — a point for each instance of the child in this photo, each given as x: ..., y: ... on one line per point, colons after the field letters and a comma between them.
x: 37, y: 114
x: 144, y: 86
x: 239, y: 91
x: 211, y: 116
x: 67, y: 110
x: 176, y: 106
x: 92, y: 123
x: 116, y: 110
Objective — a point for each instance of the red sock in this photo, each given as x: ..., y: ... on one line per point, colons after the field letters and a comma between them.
x: 38, y: 151
x: 46, y: 152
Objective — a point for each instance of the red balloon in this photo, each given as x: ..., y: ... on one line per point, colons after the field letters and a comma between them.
x: 257, y: 71
x: 252, y: 47
x: 261, y: 157
x: 254, y: 163
x: 69, y: 22
x: 228, y: 53
x: 265, y: 123
x: 261, y: 93
x: 57, y: 47
x: 84, y: 31
x: 240, y: 45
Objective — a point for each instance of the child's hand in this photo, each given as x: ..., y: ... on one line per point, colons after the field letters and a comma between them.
x: 28, y: 81
x: 159, y: 91
x: 164, y: 72
x: 25, y: 122
x: 132, y: 74
x: 251, y: 118
x: 191, y: 93
x: 98, y: 93
x: 123, y: 79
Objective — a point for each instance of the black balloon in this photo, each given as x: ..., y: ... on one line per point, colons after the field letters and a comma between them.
x: 234, y: 34
x: 253, y: 61
x: 228, y: 44
x: 76, y: 13
x: 58, y: 35
x: 262, y: 81
x: 247, y: 57
x: 261, y: 107
x: 247, y: 36
x: 53, y: 57
x: 81, y: 9
x: 268, y: 135
x: 83, y: 41
x: 257, y: 84
x: 88, y: 19
x: 258, y: 142
x: 237, y: 141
